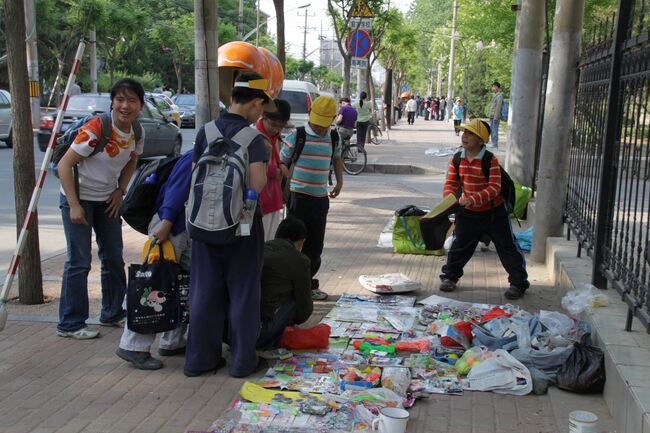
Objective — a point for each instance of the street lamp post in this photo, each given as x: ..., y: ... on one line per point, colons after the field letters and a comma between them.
x: 450, y: 78
x: 268, y: 20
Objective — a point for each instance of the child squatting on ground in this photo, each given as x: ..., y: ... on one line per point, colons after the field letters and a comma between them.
x: 481, y: 212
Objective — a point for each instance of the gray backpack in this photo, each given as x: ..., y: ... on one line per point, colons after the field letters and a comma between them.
x: 219, y: 179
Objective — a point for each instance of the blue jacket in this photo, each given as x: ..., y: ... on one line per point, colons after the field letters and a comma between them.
x: 174, y: 192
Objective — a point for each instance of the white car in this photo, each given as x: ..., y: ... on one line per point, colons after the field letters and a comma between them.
x: 299, y: 95
x: 5, y: 118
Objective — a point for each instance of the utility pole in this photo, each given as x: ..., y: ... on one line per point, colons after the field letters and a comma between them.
x: 558, y: 120
x: 257, y: 23
x: 240, y: 21
x: 452, y: 53
x: 32, y: 63
x: 206, y: 72
x: 525, y: 90
x: 304, y: 38
x: 30, y: 279
x: 93, y: 60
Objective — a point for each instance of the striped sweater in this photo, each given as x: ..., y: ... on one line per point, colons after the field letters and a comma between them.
x: 482, y: 195
x: 313, y: 165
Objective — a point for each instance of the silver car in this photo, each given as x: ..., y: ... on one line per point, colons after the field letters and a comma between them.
x: 5, y: 117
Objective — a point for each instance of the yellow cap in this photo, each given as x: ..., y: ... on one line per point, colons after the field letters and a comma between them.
x: 477, y: 127
x: 323, y: 111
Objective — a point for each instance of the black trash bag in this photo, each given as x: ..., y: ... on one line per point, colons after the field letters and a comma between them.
x: 410, y: 210
x: 584, y: 370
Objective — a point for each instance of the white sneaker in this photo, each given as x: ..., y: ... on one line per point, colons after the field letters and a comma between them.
x: 80, y: 334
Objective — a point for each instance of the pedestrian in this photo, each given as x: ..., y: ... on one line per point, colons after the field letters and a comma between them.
x: 443, y: 107
x: 435, y: 108
x: 168, y: 223
x: 308, y: 186
x: 458, y: 114
x: 185, y: 91
x: 271, y: 199
x: 481, y: 212
x: 495, y: 114
x: 364, y: 112
x: 167, y: 91
x: 158, y: 89
x: 90, y: 201
x: 418, y: 101
x: 225, y: 279
x: 286, y: 283
x: 411, y: 108
x: 427, y: 108
x: 345, y: 120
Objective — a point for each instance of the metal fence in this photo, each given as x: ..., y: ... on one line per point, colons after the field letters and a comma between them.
x: 608, y: 202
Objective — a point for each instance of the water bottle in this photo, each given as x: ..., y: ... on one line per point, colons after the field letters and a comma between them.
x: 151, y: 179
x: 248, y: 213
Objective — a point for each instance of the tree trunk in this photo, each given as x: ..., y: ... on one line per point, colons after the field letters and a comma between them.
x: 29, y: 273
x: 279, y: 22
x: 347, y: 63
x: 178, y: 69
x: 206, y: 74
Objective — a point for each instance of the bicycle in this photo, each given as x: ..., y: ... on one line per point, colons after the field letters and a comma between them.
x: 354, y: 158
x: 374, y: 132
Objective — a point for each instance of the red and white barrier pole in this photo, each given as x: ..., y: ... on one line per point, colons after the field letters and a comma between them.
x: 30, y: 215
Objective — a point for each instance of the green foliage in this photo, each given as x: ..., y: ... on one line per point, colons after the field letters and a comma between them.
x: 148, y: 80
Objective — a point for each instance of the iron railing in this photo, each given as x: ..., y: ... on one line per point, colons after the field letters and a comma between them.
x: 608, y: 201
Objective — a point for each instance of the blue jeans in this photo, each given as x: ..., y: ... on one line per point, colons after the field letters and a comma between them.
x: 494, y: 136
x: 272, y: 329
x: 73, y: 307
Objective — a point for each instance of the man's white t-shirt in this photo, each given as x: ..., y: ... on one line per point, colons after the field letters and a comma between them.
x: 98, y: 174
x: 411, y: 105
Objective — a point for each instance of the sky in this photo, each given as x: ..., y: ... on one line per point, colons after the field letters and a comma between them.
x: 295, y: 21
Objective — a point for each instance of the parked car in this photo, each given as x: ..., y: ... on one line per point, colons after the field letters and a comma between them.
x: 161, y: 137
x: 166, y: 107
x: 186, y: 103
x: 299, y: 95
x: 5, y: 117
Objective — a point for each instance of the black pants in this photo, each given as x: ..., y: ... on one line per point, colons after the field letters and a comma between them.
x: 362, y: 132
x: 313, y: 212
x: 411, y: 117
x: 456, y: 125
x: 470, y: 227
x: 273, y: 328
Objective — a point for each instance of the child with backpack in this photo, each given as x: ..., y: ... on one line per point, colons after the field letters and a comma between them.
x: 167, y: 223
x: 482, y: 211
x: 93, y: 182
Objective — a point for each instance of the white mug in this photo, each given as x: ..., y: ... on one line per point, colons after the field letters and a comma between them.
x: 391, y: 420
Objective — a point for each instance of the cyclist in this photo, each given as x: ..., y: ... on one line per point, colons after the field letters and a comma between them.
x: 345, y: 120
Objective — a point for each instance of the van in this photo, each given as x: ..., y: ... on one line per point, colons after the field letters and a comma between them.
x: 299, y: 95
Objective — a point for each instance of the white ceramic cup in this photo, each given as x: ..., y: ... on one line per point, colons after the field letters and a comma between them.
x: 391, y: 420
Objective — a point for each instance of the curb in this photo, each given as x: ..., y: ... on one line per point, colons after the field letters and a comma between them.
x: 401, y: 169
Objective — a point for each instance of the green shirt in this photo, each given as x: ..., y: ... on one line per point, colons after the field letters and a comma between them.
x: 286, y: 273
x: 363, y: 113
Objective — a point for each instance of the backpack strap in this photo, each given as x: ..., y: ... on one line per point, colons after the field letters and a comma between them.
x: 107, y: 129
x: 301, y: 139
x: 486, y: 164
x: 212, y: 134
x: 245, y: 136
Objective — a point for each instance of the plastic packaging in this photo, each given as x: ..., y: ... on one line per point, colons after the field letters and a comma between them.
x: 471, y: 358
x: 295, y: 338
x: 396, y: 379
x: 557, y: 323
x: 585, y: 296
x: 584, y: 371
x: 420, y: 345
x: 501, y: 373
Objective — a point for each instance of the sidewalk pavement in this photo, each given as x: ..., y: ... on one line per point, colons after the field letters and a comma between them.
x: 50, y: 384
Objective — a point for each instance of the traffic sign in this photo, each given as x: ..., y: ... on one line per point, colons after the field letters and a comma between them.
x: 361, y: 9
x: 358, y: 43
x: 360, y: 23
x: 359, y: 63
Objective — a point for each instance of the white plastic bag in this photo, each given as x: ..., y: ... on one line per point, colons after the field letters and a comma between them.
x: 389, y: 283
x: 585, y: 296
x: 557, y: 323
x: 501, y: 373
x: 397, y: 379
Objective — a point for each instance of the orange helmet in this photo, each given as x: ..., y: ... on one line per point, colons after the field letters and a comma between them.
x: 276, y: 71
x: 243, y: 56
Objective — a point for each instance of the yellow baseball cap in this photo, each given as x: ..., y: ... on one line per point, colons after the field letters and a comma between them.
x: 477, y: 127
x: 323, y: 111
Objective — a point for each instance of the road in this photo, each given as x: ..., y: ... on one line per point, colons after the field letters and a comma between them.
x: 50, y: 229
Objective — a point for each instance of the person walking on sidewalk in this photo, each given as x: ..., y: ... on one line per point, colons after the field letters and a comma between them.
x: 495, y: 114
x: 364, y: 112
x: 168, y: 223
x: 458, y: 113
x: 225, y: 278
x: 411, y: 108
x: 308, y: 185
x: 443, y: 107
x: 90, y: 201
x: 481, y: 212
x: 271, y: 198
x: 286, y: 283
x: 345, y: 120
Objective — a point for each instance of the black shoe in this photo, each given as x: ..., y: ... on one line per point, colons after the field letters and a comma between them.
x: 448, y: 285
x: 262, y: 365
x: 192, y: 373
x: 171, y: 352
x: 140, y: 360
x: 514, y: 293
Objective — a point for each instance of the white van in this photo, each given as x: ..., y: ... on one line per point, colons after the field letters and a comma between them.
x: 299, y: 95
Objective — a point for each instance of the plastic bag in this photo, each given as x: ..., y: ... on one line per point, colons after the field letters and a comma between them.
x: 470, y: 358
x: 501, y: 373
x: 295, y: 338
x: 586, y: 295
x: 525, y: 239
x: 584, y: 371
x: 396, y: 379
x: 557, y: 323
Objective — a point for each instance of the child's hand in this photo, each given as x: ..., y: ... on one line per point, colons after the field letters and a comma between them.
x: 463, y: 201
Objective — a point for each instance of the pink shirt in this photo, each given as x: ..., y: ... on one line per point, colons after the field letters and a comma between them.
x: 271, y: 199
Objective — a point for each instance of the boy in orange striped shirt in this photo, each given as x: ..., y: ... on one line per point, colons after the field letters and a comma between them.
x: 481, y: 212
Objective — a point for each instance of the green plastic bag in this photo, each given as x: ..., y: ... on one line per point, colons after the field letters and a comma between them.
x: 522, y: 197
x: 407, y: 238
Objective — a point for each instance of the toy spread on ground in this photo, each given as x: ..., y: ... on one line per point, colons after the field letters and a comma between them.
x: 384, y: 350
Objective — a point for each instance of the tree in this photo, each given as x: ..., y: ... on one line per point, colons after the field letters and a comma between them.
x: 30, y: 278
x: 175, y: 36
x: 279, y: 29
